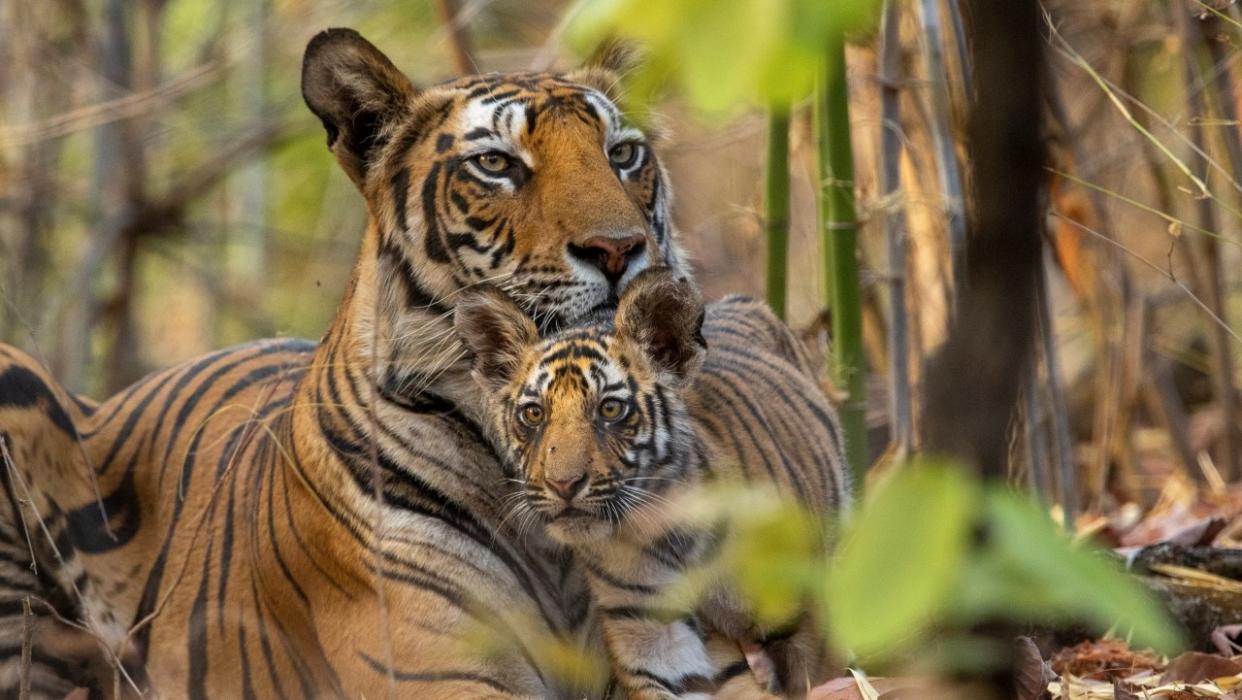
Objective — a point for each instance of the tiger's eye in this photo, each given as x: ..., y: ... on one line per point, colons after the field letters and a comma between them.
x: 622, y: 154
x: 531, y: 415
x: 612, y: 409
x: 493, y: 162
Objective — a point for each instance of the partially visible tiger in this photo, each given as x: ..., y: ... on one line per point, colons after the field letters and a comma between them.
x: 603, y: 427
x: 237, y: 548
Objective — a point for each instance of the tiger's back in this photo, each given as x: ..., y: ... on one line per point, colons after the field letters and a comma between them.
x: 761, y: 411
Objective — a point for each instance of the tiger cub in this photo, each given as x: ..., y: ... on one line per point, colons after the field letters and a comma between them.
x: 598, y: 428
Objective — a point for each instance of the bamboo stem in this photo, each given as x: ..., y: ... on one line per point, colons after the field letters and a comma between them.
x: 1063, y: 449
x: 838, y: 234
x: 900, y: 413
x: 1033, y: 427
x: 1226, y: 105
x: 776, y: 202
x: 959, y: 40
x: 942, y: 137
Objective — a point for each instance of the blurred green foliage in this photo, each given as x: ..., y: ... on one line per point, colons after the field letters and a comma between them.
x: 724, y: 54
x: 930, y: 555
x: 931, y: 551
x: 900, y: 561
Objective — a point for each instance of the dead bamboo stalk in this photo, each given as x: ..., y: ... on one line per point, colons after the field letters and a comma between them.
x: 1033, y: 429
x: 458, y: 39
x: 900, y: 413
x: 1226, y: 105
x: 960, y: 39
x: 942, y: 137
x: 1063, y: 449
x: 1160, y: 395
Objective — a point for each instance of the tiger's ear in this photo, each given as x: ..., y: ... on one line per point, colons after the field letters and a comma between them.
x: 607, y: 66
x: 357, y: 93
x: 496, y: 332
x: 663, y: 315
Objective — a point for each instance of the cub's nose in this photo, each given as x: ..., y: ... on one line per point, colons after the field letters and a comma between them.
x: 610, y: 256
x: 568, y: 488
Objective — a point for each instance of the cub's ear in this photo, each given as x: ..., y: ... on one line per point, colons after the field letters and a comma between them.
x: 607, y: 66
x: 664, y: 316
x: 496, y: 332
x: 357, y: 93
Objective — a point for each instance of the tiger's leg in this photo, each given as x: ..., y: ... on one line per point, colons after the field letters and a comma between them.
x: 658, y: 658
x: 655, y: 658
x: 800, y: 657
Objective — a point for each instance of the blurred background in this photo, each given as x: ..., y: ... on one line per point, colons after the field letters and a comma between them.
x: 164, y: 192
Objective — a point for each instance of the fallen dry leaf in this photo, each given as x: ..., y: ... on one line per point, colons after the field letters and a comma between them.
x: 1031, y: 673
x: 1195, y: 667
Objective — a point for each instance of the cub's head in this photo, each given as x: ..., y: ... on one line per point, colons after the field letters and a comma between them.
x: 590, y: 421
x: 535, y: 182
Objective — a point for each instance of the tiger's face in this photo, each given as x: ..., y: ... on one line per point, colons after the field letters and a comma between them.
x: 590, y: 421
x: 534, y: 182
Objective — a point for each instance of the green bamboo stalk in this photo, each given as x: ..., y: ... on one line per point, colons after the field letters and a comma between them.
x: 838, y: 237
x: 776, y: 202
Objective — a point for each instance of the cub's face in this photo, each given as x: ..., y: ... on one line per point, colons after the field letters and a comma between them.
x: 591, y: 431
x: 590, y: 421
x: 534, y: 182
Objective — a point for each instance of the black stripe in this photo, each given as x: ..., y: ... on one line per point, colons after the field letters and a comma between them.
x: 435, y: 676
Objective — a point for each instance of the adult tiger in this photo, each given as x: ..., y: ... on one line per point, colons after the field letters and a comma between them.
x: 243, y: 552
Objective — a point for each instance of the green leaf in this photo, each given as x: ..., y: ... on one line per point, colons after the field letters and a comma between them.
x: 1028, y: 571
x: 899, y: 561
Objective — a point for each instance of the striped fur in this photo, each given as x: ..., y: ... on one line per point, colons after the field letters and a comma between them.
x: 216, y: 525
x: 604, y: 427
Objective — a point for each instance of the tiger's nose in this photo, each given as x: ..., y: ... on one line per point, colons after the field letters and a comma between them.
x: 568, y: 488
x: 609, y: 255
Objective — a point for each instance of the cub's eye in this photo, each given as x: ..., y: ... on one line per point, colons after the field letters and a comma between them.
x: 531, y: 415
x: 624, y: 154
x: 493, y: 162
x: 613, y: 409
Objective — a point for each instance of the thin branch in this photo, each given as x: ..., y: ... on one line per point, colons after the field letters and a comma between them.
x: 109, y: 111
x: 1164, y: 272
